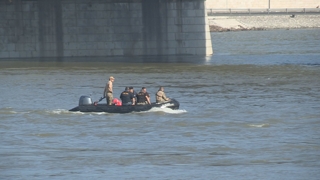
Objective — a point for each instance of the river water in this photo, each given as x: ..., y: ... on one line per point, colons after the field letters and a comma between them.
x: 250, y: 111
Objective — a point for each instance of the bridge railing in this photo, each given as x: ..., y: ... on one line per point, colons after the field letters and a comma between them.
x: 221, y: 12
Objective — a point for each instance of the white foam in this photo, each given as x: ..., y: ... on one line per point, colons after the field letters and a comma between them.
x: 259, y: 125
x: 63, y: 111
x: 167, y: 110
x: 155, y: 109
x: 8, y: 110
x: 57, y: 111
x: 166, y: 105
x: 99, y: 113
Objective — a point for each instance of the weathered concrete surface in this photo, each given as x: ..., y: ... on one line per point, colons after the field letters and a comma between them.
x: 65, y: 28
x: 237, y: 4
x: 253, y: 22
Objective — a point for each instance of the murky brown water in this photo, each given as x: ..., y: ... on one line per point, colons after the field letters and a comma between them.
x: 240, y: 119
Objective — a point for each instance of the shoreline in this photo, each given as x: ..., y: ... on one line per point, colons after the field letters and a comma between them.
x: 262, y: 22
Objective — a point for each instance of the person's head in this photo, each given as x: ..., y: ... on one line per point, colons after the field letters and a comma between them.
x: 161, y: 88
x: 131, y: 89
x: 111, y: 78
x: 126, y: 89
x: 143, y: 89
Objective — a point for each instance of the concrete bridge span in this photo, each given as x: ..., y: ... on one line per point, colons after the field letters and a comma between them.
x: 66, y: 28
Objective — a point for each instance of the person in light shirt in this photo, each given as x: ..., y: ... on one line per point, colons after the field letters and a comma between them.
x: 161, y: 96
x: 108, y: 90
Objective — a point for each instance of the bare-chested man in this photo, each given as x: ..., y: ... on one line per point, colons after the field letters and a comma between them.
x: 108, y: 90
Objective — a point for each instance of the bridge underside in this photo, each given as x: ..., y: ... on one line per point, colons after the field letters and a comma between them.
x: 65, y: 28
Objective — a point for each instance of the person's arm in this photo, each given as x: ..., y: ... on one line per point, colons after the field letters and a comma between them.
x: 148, y: 99
x: 133, y: 101
x: 132, y: 98
x: 165, y: 97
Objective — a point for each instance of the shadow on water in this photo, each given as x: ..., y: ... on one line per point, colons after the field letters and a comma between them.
x: 214, y: 60
x: 93, y: 61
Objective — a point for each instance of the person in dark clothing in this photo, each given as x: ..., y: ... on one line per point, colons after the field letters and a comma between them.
x: 127, y: 97
x: 143, y: 97
x: 134, y: 93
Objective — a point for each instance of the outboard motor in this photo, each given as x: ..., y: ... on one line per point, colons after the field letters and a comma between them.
x: 85, y: 100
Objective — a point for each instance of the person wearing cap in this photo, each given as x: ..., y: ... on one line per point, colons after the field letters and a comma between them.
x: 108, y: 90
x: 127, y: 97
x: 143, y: 97
x: 161, y: 96
x: 134, y: 93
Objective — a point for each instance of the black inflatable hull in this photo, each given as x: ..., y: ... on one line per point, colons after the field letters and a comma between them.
x: 173, y: 104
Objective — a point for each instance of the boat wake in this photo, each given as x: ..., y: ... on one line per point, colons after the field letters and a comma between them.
x: 155, y: 109
x: 7, y: 111
x: 259, y: 125
x: 58, y: 111
x: 53, y: 112
x: 167, y: 110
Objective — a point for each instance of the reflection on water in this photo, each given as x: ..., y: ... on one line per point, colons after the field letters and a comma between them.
x: 241, y: 116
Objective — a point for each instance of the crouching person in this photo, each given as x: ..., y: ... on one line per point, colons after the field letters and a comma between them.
x: 127, y: 97
x: 161, y: 96
x: 143, y: 97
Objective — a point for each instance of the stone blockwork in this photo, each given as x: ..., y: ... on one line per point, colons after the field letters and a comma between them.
x: 65, y: 28
x: 264, y: 22
x: 261, y: 4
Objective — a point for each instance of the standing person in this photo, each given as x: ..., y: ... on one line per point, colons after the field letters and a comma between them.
x: 127, y: 97
x: 143, y: 97
x: 108, y: 90
x: 161, y: 96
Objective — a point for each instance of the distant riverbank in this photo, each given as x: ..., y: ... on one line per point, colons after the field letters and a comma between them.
x: 262, y: 22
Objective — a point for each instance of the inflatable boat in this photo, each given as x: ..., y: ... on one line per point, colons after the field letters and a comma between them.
x: 87, y: 105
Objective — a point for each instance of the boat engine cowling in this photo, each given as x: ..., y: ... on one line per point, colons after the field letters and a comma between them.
x: 85, y: 100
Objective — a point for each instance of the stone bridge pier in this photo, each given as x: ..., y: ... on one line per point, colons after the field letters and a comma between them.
x: 70, y: 28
